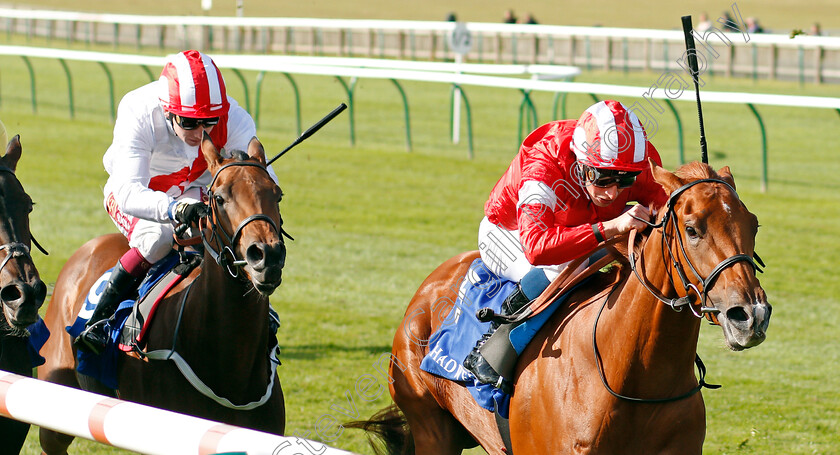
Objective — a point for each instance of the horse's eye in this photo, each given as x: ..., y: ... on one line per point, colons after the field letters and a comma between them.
x: 219, y: 199
x: 691, y: 231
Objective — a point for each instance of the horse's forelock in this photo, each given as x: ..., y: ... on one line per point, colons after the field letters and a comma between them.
x: 239, y: 155
x: 695, y: 171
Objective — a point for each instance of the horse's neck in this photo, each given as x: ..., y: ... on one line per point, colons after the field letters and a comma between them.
x: 659, y: 336
x: 233, y: 318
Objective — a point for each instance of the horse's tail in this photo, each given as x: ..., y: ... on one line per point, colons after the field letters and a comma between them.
x: 391, y: 428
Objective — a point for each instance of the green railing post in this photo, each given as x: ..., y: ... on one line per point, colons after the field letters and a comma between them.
x: 349, y: 90
x: 407, y: 121
x: 680, y: 146
x: 244, y: 87
x: 764, y: 178
x: 148, y: 72
x: 31, y: 82
x: 297, y: 101
x: 258, y: 96
x: 562, y: 104
x: 257, y: 93
x: 526, y: 108
x: 110, y: 89
x: 69, y: 86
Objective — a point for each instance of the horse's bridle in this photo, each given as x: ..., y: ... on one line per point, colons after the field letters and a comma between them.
x: 679, y: 302
x: 17, y: 249
x: 706, y: 283
x: 225, y: 255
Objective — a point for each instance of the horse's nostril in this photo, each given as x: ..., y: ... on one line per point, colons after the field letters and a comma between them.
x: 11, y: 293
x: 737, y: 314
x: 255, y: 254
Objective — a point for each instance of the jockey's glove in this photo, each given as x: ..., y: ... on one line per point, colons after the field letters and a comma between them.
x: 187, y: 213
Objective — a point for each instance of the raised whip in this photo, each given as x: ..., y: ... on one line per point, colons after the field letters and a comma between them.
x: 695, y: 74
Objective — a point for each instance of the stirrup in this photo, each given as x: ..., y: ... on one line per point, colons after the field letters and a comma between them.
x: 93, y: 338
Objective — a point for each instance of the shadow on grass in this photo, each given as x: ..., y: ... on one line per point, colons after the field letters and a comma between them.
x: 317, y: 351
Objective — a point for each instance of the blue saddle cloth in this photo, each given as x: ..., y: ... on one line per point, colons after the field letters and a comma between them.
x: 104, y: 366
x: 38, y: 335
x: 457, y: 335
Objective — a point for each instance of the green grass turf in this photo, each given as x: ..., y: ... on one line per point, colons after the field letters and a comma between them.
x: 371, y: 221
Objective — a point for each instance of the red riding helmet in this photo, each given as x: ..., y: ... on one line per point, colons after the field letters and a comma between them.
x: 610, y: 136
x: 192, y: 86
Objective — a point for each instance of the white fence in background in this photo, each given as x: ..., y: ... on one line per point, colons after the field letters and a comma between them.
x: 650, y: 106
x: 803, y: 58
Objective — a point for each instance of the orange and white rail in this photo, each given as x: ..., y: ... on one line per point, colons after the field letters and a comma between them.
x: 133, y: 426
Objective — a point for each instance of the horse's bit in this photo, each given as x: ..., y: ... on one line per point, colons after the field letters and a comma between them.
x: 678, y: 303
x: 225, y: 256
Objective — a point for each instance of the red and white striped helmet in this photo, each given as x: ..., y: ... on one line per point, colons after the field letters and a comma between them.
x: 610, y: 136
x: 192, y: 86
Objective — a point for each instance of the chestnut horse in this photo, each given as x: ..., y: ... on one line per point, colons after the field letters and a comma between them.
x: 21, y: 290
x: 612, y: 371
x: 218, y: 315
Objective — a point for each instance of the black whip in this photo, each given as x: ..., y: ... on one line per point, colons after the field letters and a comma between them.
x: 312, y: 130
x: 695, y: 74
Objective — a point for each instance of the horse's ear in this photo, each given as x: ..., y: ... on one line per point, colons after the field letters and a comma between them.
x: 667, y: 179
x: 13, y: 151
x: 256, y: 150
x: 211, y: 153
x: 726, y: 175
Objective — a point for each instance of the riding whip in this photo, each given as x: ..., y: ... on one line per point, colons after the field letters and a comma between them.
x: 312, y: 130
x: 691, y: 51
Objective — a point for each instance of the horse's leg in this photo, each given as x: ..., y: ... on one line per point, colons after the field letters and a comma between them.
x: 53, y: 442
x: 73, y: 282
x: 434, y: 429
x: 14, y: 359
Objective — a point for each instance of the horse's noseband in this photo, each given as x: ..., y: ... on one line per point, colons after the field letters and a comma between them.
x: 678, y: 303
x: 225, y: 256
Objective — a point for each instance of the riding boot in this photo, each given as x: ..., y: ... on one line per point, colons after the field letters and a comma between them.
x: 493, y: 359
x: 94, y: 339
x: 478, y: 365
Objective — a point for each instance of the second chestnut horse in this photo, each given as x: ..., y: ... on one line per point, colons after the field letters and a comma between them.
x: 612, y: 371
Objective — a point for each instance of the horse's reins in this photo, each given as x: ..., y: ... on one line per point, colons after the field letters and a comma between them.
x: 17, y: 249
x: 679, y: 302
x: 225, y: 255
x: 675, y: 303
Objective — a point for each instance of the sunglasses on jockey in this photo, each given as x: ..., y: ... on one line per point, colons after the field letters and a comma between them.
x: 604, y: 178
x: 189, y: 123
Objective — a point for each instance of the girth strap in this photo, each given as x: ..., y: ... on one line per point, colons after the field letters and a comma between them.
x: 200, y: 386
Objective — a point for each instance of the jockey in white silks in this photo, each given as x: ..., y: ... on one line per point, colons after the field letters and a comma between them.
x: 158, y: 176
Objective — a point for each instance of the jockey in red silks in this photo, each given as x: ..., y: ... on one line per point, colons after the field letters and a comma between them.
x: 158, y: 176
x: 566, y: 191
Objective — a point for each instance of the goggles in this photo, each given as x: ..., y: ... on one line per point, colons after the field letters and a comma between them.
x: 603, y: 178
x: 189, y: 123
